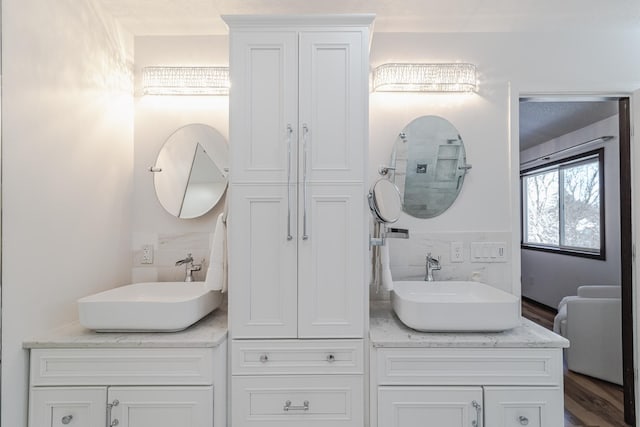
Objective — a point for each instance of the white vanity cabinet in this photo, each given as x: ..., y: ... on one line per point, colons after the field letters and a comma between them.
x: 497, y: 387
x: 298, y: 150
x: 506, y: 379
x: 81, y: 378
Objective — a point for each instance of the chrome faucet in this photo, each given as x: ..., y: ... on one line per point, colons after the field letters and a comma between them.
x: 190, y: 267
x: 432, y: 265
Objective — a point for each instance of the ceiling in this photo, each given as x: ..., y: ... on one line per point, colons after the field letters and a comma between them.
x: 543, y: 121
x: 202, y: 17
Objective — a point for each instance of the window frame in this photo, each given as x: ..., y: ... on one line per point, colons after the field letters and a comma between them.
x: 563, y: 249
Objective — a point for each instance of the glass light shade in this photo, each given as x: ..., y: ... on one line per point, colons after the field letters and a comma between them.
x: 425, y: 78
x: 185, y: 80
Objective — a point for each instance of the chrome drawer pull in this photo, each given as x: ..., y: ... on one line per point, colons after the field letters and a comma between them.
x: 331, y: 358
x: 523, y: 420
x: 66, y: 419
x: 288, y: 407
x: 264, y: 358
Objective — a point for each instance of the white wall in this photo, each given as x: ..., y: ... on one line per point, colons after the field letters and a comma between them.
x: 547, y: 277
x: 156, y: 118
x: 67, y: 143
x: 509, y: 64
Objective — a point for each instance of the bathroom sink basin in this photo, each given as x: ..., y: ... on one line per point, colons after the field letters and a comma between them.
x: 148, y: 307
x: 454, y: 306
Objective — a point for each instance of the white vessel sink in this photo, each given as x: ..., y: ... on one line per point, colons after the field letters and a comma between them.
x: 152, y: 306
x: 450, y: 306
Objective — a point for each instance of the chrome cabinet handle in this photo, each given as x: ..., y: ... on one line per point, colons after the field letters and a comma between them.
x: 110, y: 406
x: 289, y: 407
x: 331, y: 358
x: 289, y: 134
x: 66, y: 419
x: 305, y: 150
x: 478, y: 408
x: 264, y: 358
x: 523, y: 420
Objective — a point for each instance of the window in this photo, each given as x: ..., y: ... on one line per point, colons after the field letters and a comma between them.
x: 563, y: 208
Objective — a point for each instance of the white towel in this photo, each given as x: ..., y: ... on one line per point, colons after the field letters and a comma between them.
x: 387, y: 280
x: 216, y: 279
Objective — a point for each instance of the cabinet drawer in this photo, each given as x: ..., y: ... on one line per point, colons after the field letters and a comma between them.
x: 297, y: 357
x: 466, y: 366
x: 125, y: 366
x: 312, y: 401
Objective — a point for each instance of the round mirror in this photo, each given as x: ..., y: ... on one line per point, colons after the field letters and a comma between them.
x: 428, y: 165
x: 190, y: 174
x: 384, y: 201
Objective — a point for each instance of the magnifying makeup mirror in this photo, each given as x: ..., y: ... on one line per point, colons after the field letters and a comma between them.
x: 384, y: 201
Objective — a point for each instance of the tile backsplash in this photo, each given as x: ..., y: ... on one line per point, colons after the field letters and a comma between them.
x: 407, y: 259
x: 167, y: 249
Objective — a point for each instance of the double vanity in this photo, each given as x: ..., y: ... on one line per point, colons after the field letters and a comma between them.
x: 79, y: 377
x: 300, y: 347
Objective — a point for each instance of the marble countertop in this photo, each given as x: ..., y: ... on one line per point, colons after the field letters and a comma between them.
x: 386, y: 330
x: 210, y: 331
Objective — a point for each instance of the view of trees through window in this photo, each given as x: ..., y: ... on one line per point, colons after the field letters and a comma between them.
x: 561, y: 205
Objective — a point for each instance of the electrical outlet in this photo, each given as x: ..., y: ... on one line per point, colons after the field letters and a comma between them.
x: 147, y: 254
x: 457, y: 252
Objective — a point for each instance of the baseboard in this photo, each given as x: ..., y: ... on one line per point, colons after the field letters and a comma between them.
x: 540, y: 305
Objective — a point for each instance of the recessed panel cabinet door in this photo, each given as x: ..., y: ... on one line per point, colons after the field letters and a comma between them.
x: 333, y: 106
x: 263, y: 262
x: 161, y: 406
x: 523, y: 406
x: 331, y: 261
x: 68, y: 406
x: 430, y: 407
x: 263, y: 110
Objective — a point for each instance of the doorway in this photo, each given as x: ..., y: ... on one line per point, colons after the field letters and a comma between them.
x: 584, y: 244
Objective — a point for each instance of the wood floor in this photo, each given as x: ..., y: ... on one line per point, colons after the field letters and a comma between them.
x: 587, y: 401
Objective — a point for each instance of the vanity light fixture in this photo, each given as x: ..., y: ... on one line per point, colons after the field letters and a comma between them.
x: 185, y: 80
x: 452, y: 77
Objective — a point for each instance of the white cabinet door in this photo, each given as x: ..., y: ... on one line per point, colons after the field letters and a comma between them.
x: 333, y: 106
x: 263, y: 262
x: 331, y: 278
x: 263, y: 105
x: 67, y: 406
x: 430, y: 407
x: 161, y: 406
x: 523, y: 406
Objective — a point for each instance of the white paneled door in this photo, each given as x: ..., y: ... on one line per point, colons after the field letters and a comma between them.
x: 68, y: 406
x: 161, y: 406
x: 331, y: 263
x: 430, y: 407
x: 298, y: 147
x: 263, y: 252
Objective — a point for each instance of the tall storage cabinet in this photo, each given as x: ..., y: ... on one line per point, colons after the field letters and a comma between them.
x: 297, y: 217
x: 298, y: 145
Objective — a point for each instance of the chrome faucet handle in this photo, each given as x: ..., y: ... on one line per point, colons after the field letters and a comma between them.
x: 187, y: 260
